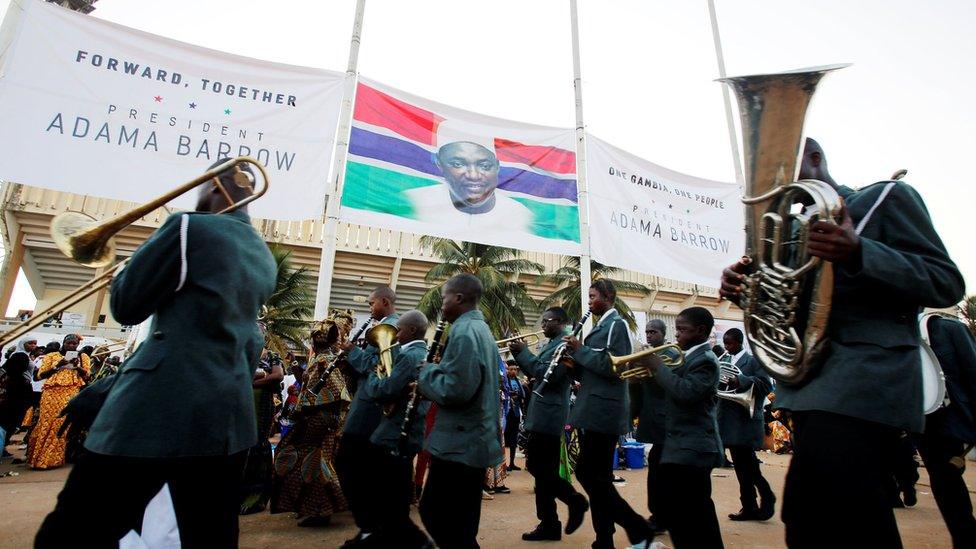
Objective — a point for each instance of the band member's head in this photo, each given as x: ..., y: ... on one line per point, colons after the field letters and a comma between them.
x: 382, y: 302
x: 655, y: 332
x: 554, y: 321
x: 733, y: 341
x: 602, y: 295
x: 459, y: 295
x: 813, y: 163
x: 238, y: 186
x: 693, y: 326
x: 411, y: 327
x: 471, y: 173
x: 70, y: 343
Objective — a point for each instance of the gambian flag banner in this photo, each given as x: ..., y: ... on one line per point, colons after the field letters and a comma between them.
x: 423, y: 167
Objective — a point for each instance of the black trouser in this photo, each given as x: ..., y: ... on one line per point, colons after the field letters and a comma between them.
x: 594, y: 470
x: 749, y: 476
x: 904, y: 468
x: 687, y: 507
x: 356, y: 463
x: 948, y: 486
x: 395, y: 477
x: 106, y: 496
x: 836, y: 482
x: 451, y: 505
x: 542, y: 461
x: 654, y: 483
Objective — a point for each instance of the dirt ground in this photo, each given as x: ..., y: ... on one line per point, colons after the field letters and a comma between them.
x: 27, y: 497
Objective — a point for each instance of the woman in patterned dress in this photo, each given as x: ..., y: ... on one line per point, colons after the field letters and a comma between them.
x: 305, y: 481
x: 63, y: 379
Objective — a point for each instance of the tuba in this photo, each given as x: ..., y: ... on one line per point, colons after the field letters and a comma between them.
x: 786, y: 295
x: 383, y: 337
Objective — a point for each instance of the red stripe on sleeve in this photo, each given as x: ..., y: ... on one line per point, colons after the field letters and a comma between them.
x: 550, y: 159
x: 379, y: 109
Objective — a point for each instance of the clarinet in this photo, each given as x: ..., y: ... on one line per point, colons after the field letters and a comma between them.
x: 558, y: 355
x: 414, y: 396
x: 335, y: 363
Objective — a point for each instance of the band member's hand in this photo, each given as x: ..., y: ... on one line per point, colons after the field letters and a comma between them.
x: 516, y: 347
x: 732, y: 278
x: 572, y: 342
x: 835, y: 243
x: 733, y: 382
x: 348, y: 346
x: 568, y: 362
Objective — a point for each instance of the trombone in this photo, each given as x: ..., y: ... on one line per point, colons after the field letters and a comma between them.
x: 641, y: 371
x: 90, y: 243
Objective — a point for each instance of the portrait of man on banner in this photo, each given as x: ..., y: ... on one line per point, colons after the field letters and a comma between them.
x: 470, y: 195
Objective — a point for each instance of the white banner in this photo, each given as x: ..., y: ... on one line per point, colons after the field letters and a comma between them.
x: 650, y: 219
x: 96, y: 108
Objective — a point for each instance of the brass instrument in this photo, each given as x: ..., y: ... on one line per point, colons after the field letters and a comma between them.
x: 639, y: 370
x: 382, y: 336
x: 726, y: 372
x: 90, y: 243
x: 103, y: 350
x: 786, y: 297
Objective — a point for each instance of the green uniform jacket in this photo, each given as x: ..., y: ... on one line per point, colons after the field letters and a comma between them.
x: 602, y: 402
x: 393, y: 390
x: 206, y: 290
x: 872, y: 369
x: 734, y: 424
x: 547, y: 413
x: 364, y: 413
x: 647, y: 404
x: 691, y: 431
x: 465, y: 386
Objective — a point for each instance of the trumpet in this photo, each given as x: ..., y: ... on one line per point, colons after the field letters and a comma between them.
x: 530, y: 339
x: 725, y: 390
x: 92, y: 244
x: 641, y: 370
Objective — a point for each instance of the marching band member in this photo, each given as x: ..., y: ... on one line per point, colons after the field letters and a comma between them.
x: 465, y: 439
x: 204, y: 277
x: 601, y: 411
x: 545, y: 424
x: 743, y: 434
x: 647, y: 404
x: 951, y: 430
x: 394, y: 467
x: 691, y: 445
x: 847, y: 418
x: 357, y: 458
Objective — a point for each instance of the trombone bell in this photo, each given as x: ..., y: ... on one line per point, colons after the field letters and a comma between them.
x: 72, y: 233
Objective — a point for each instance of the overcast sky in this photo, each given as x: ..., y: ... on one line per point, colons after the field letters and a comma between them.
x: 648, y: 70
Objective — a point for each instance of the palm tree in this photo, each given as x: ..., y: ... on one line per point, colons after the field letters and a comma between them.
x: 567, y: 294
x: 288, y: 311
x: 968, y: 307
x: 504, y: 302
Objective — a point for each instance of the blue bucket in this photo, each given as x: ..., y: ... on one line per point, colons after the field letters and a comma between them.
x: 635, y: 456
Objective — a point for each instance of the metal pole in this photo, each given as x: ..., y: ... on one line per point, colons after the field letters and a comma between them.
x: 323, y: 289
x: 720, y: 58
x: 582, y: 200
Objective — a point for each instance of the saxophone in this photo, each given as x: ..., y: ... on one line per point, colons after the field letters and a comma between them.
x: 787, y: 293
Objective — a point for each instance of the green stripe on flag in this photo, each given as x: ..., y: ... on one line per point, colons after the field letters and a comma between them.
x: 555, y: 221
x: 379, y: 190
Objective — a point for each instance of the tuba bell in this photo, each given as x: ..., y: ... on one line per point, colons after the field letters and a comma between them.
x: 786, y: 297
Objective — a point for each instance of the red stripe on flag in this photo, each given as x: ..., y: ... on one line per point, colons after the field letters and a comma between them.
x: 379, y: 109
x: 550, y: 159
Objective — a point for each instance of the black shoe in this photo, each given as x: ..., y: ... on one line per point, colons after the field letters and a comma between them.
x: 315, y: 521
x: 502, y: 490
x: 767, y: 508
x: 356, y: 541
x: 618, y: 480
x: 910, y: 497
x: 578, y: 507
x: 745, y: 514
x: 544, y: 532
x: 514, y: 467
